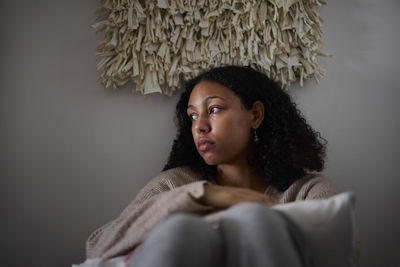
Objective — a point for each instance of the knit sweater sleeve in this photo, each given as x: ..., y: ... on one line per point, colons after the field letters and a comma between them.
x: 173, y: 191
x: 313, y: 186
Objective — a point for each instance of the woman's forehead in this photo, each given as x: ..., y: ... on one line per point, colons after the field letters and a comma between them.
x: 205, y: 90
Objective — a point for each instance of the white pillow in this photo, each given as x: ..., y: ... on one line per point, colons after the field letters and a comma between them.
x: 329, y: 228
x: 98, y: 262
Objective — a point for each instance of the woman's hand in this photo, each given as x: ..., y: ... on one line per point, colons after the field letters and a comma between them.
x: 222, y: 197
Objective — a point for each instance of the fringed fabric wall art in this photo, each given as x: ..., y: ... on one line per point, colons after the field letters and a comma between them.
x: 157, y: 43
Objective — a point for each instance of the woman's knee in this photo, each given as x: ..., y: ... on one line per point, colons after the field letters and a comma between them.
x: 181, y: 222
x: 254, y: 219
x: 249, y: 212
x: 181, y: 226
x: 178, y: 241
x: 270, y: 235
x: 185, y: 231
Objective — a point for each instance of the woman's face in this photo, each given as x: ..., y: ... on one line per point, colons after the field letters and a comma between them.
x: 221, y: 125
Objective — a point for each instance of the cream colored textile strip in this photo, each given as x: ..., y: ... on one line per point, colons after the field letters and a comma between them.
x: 157, y: 43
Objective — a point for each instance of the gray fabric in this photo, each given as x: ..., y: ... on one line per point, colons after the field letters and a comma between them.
x: 181, y: 240
x: 247, y: 235
x: 255, y: 235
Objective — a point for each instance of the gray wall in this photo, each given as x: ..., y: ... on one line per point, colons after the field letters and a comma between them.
x: 73, y: 154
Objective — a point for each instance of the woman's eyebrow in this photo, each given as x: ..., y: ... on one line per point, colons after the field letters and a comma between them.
x: 208, y: 99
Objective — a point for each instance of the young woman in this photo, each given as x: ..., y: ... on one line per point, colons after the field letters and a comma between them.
x: 242, y: 145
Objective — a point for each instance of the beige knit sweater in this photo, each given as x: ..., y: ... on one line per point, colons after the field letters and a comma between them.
x: 177, y: 190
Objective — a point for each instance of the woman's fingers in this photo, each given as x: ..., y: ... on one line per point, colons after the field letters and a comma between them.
x: 226, y: 196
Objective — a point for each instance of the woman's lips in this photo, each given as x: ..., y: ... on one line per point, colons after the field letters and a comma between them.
x: 205, y: 144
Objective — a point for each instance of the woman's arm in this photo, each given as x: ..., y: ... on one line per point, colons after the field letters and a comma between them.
x: 222, y: 197
x: 312, y: 186
x: 175, y: 192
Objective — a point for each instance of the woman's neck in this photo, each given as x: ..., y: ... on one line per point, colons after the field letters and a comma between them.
x: 239, y: 176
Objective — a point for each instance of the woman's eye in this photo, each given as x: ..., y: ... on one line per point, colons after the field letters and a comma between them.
x: 193, y: 117
x: 214, y: 109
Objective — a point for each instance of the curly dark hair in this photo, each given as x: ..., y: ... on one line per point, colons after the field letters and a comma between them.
x: 287, y: 146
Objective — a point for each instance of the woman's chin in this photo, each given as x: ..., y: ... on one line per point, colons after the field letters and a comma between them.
x: 210, y: 160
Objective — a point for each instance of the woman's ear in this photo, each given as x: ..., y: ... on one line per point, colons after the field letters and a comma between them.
x: 257, y: 112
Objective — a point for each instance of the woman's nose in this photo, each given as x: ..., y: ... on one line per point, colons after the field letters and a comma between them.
x: 202, y: 124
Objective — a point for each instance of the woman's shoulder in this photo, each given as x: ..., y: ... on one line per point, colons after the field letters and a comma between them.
x: 178, y: 176
x: 173, y: 178
x: 311, y: 186
x: 166, y: 181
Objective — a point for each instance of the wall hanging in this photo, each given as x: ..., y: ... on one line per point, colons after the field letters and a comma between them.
x: 157, y: 43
